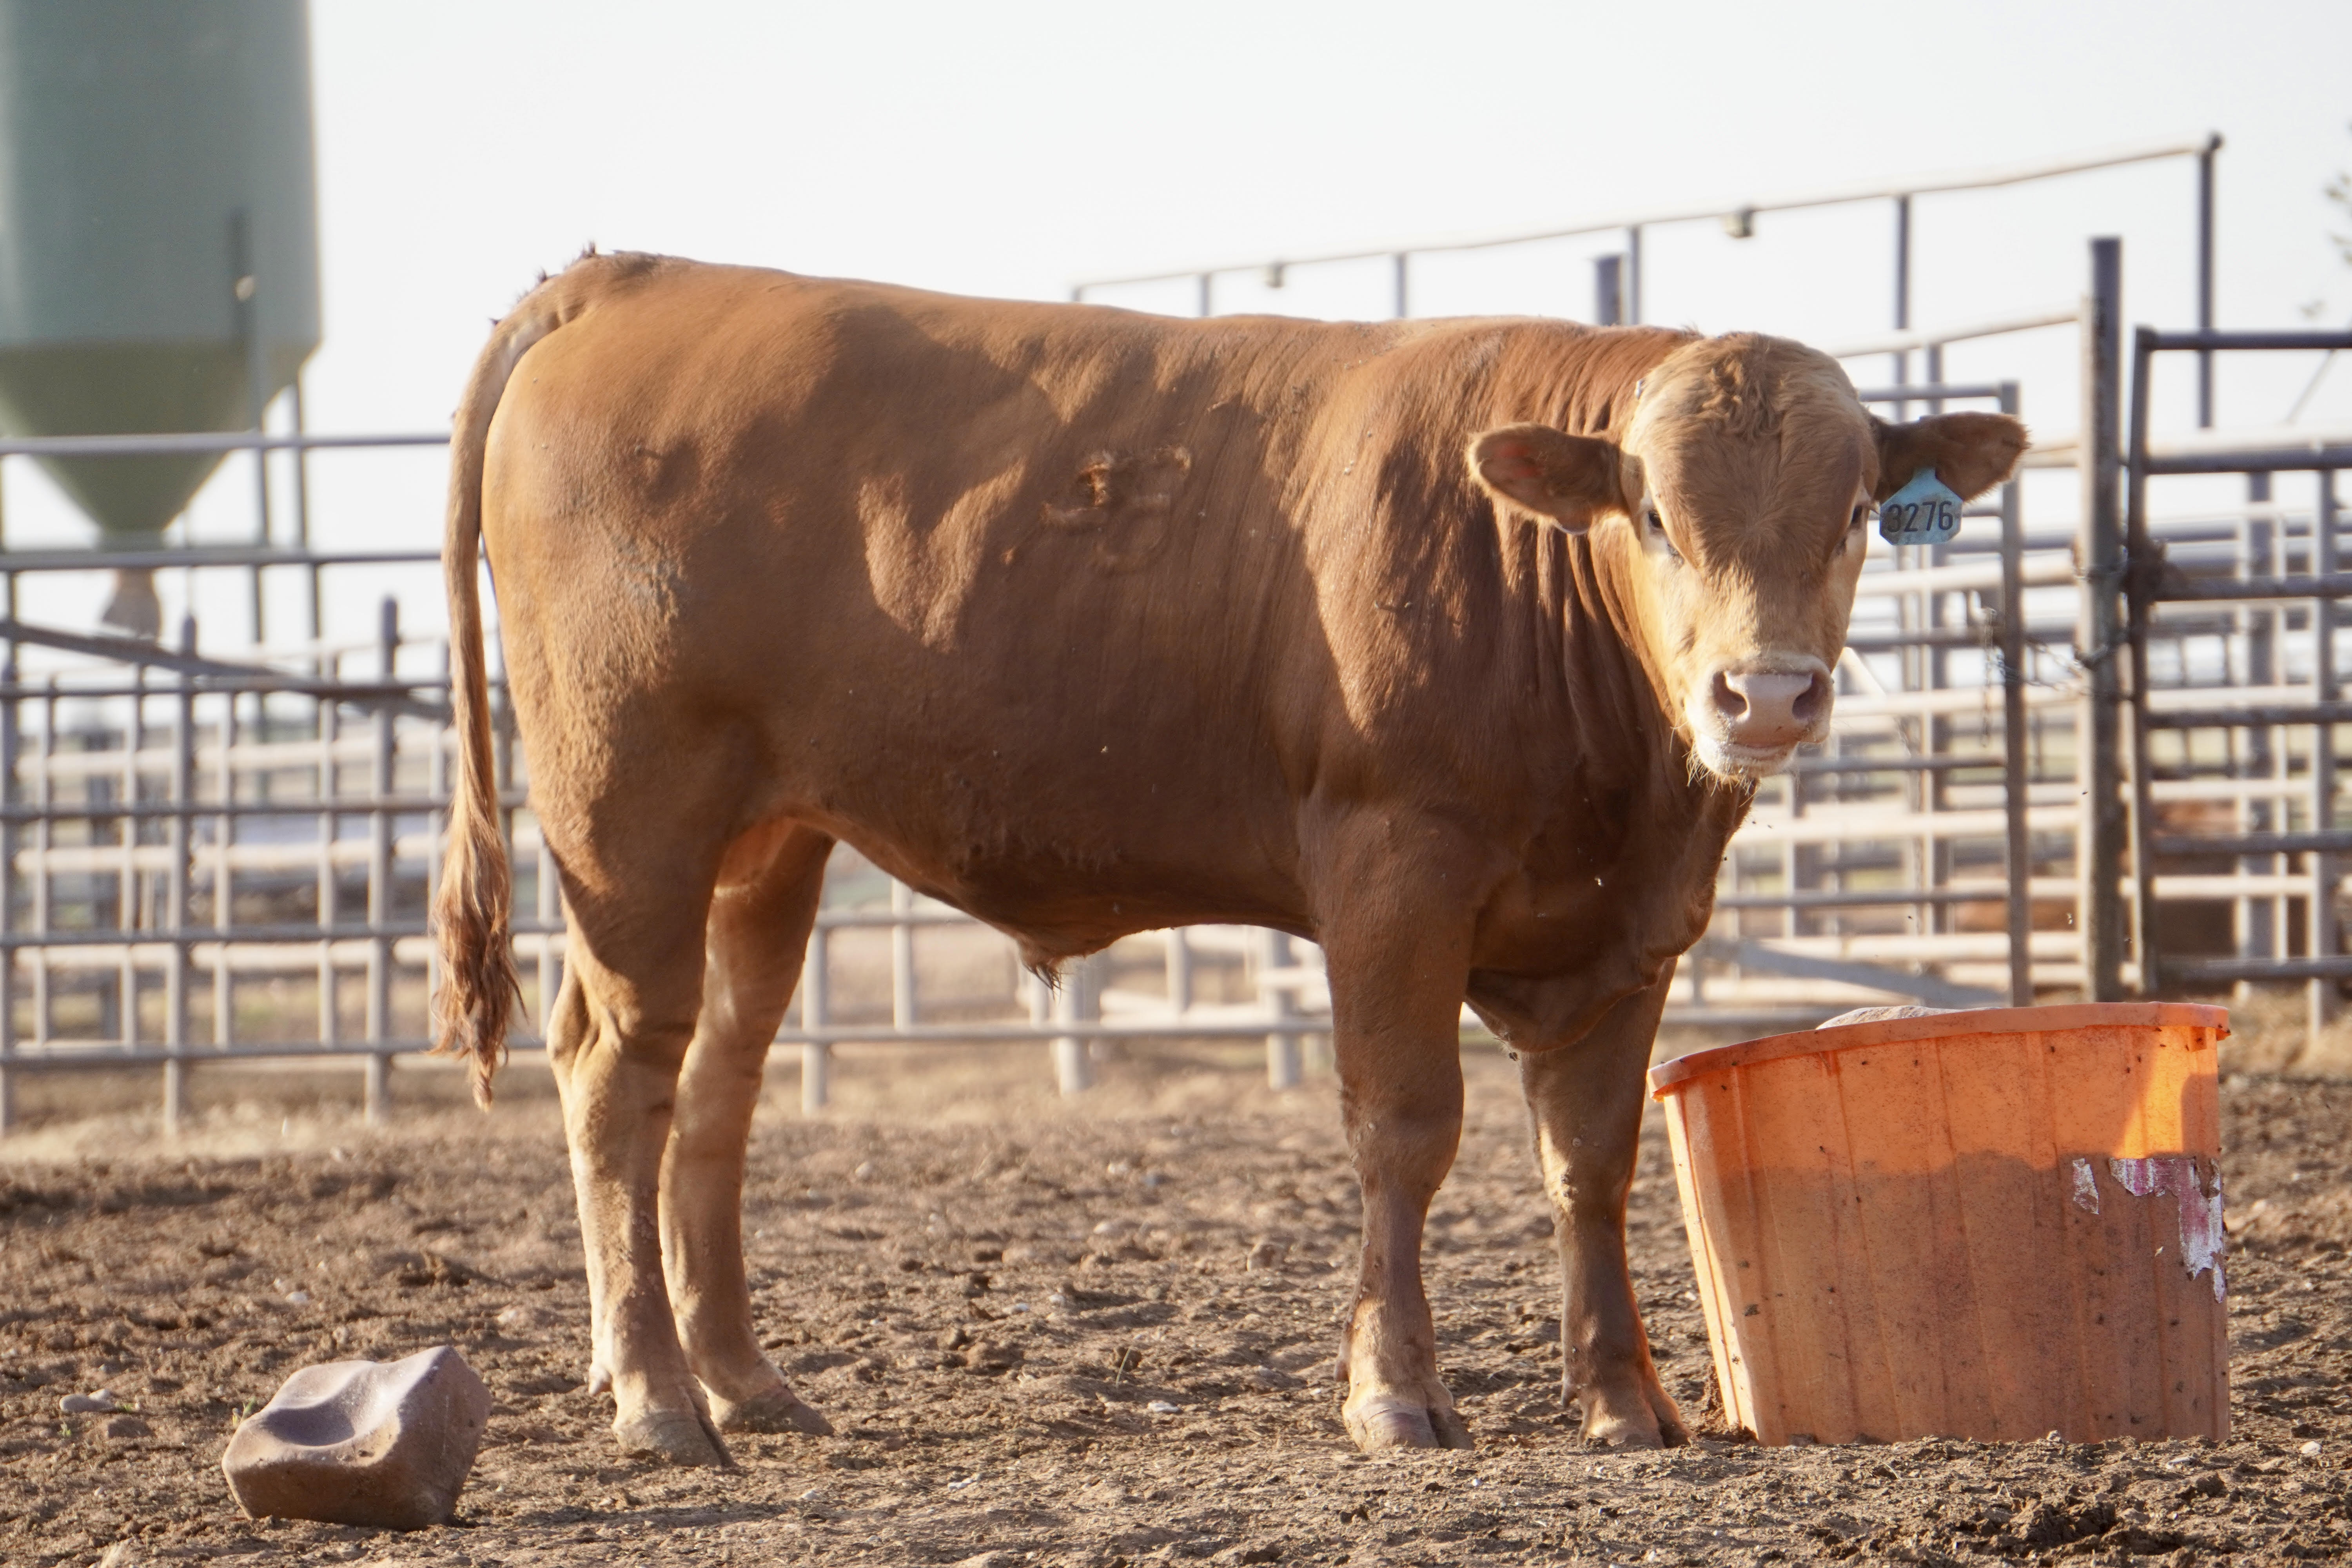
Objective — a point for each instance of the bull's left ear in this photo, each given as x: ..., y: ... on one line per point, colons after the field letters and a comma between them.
x: 1969, y: 452
x: 1567, y: 479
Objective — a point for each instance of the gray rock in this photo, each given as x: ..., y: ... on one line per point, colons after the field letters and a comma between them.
x: 386, y: 1445
x: 87, y: 1403
x: 126, y: 1427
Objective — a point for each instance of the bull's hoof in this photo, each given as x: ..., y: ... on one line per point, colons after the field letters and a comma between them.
x: 1393, y: 1421
x: 772, y: 1410
x: 1640, y: 1418
x: 674, y: 1437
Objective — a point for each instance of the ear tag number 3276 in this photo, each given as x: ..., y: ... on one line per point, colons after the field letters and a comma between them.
x: 1925, y: 511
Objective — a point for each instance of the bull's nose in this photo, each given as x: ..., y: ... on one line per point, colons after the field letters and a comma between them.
x: 1770, y: 709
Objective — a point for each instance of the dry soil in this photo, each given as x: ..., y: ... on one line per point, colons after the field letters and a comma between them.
x: 1087, y: 1333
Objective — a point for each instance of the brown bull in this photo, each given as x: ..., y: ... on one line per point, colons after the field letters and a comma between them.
x: 1455, y: 646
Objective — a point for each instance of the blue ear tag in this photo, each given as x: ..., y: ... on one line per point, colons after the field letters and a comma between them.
x: 1925, y: 511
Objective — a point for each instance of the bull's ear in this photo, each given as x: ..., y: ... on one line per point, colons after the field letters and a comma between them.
x: 1566, y: 480
x: 1969, y: 452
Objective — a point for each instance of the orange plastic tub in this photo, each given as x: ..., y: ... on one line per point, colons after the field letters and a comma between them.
x: 1990, y: 1224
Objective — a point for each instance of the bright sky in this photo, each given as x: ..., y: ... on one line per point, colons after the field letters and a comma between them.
x: 1011, y: 148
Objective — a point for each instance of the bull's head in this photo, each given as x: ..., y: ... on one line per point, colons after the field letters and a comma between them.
x: 1737, y: 499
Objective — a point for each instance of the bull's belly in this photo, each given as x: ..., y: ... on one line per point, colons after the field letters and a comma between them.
x: 1062, y: 892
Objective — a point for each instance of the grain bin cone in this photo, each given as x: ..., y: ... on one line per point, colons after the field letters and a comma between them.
x: 159, y: 259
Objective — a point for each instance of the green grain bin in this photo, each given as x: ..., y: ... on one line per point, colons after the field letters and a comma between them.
x: 159, y: 249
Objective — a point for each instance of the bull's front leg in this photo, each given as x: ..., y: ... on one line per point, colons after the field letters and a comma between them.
x: 1586, y: 1100
x: 1399, y: 961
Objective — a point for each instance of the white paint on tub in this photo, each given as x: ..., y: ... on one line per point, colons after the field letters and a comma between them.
x: 2204, y: 1242
x: 2086, y: 1186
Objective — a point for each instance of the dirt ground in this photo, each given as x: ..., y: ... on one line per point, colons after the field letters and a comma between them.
x: 1092, y: 1332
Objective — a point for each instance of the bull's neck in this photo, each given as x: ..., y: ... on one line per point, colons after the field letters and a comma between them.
x: 1582, y: 600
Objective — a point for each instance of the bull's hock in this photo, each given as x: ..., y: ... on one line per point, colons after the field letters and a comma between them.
x: 385, y: 1444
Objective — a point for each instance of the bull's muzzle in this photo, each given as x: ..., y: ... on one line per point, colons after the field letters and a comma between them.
x: 1749, y: 716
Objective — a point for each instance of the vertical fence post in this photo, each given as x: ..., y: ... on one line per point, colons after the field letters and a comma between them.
x: 2016, y: 772
x: 903, y: 999
x: 2099, y: 558
x: 436, y: 829
x: 1402, y: 281
x: 2322, y: 752
x: 326, y: 721
x: 2140, y: 578
x: 816, y: 1009
x: 1277, y: 984
x: 10, y: 794
x: 1077, y: 1001
x: 130, y: 886
x: 1901, y: 357
x: 44, y: 836
x: 384, y: 761
x: 2205, y: 279
x: 1180, y: 969
x: 1633, y: 296
x: 178, y: 835
x: 224, y: 905
x: 1608, y: 290
x: 2260, y: 920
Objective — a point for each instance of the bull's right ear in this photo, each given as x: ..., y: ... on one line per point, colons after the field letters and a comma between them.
x: 1570, y: 480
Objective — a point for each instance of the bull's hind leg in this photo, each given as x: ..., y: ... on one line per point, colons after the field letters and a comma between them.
x: 769, y: 888
x: 638, y: 902
x: 1586, y: 1101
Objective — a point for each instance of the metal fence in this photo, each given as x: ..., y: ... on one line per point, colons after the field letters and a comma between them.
x: 207, y: 860
x: 210, y: 859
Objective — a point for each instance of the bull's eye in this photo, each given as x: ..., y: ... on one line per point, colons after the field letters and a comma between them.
x: 1655, y: 533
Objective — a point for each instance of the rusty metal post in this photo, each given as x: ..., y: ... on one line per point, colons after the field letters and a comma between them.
x: 2140, y: 576
x: 2016, y: 765
x: 2099, y: 558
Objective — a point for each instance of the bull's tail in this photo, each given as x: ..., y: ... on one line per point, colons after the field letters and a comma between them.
x: 473, y: 908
